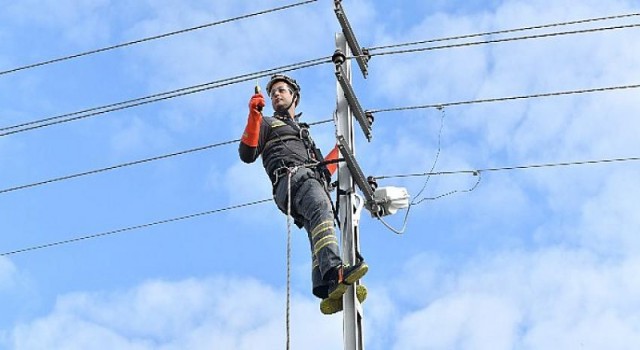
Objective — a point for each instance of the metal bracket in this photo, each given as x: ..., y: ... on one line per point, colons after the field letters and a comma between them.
x: 362, y: 118
x: 362, y: 55
x: 358, y: 175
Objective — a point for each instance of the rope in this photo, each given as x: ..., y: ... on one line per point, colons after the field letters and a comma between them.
x: 290, y: 173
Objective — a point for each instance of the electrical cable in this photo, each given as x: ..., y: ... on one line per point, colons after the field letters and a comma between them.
x: 478, y: 173
x: 191, y: 216
x: 510, y: 98
x: 131, y: 228
x: 132, y: 163
x: 114, y: 167
x: 505, y: 31
x: 424, y: 186
x: 241, y: 78
x: 36, y: 124
x: 155, y: 37
x: 517, y: 167
x: 153, y: 96
x: 495, y: 41
x: 435, y: 161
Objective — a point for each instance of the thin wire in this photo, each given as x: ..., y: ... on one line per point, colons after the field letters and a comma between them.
x: 131, y: 228
x: 124, y: 103
x: 132, y: 163
x: 424, y: 186
x: 114, y: 167
x: 507, y: 168
x: 417, y: 201
x: 158, y: 97
x: 478, y: 173
x: 108, y: 48
x: 511, y: 98
x: 435, y: 161
x: 191, y: 216
x: 468, y: 36
x: 321, y: 122
x: 471, y: 189
x: 494, y: 41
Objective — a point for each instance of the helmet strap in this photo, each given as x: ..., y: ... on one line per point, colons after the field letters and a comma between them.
x: 284, y: 111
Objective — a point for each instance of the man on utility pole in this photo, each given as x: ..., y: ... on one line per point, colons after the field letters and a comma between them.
x: 298, y: 171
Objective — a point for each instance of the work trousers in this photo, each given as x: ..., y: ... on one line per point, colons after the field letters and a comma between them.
x: 311, y: 208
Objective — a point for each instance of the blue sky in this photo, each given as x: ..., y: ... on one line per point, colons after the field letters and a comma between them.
x: 530, y: 259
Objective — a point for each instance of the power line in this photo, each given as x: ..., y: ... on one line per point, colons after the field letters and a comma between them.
x: 476, y: 172
x: 246, y: 77
x: 495, y: 41
x: 129, y: 43
x: 510, y: 98
x: 203, y: 148
x: 192, y: 216
x: 114, y: 167
x: 91, y: 112
x: 505, y: 31
x: 132, y: 163
x: 131, y: 228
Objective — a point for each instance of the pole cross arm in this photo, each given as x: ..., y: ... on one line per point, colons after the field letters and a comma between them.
x: 352, y: 100
x: 358, y: 176
x: 361, y: 55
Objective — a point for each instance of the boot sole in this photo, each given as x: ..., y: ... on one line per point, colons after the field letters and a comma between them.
x: 331, y: 306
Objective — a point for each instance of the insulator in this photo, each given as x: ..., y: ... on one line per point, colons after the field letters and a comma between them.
x: 372, y: 182
x: 338, y: 57
x: 369, y: 116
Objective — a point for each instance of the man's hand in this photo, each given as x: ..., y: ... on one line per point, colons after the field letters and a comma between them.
x: 256, y: 103
x: 251, y: 133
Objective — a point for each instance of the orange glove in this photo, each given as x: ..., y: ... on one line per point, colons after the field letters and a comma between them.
x: 256, y: 102
x: 333, y: 155
x: 251, y: 133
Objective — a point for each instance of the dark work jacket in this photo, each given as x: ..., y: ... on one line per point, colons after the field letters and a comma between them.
x: 280, y: 146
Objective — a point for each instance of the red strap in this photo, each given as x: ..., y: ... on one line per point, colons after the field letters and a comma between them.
x: 333, y: 155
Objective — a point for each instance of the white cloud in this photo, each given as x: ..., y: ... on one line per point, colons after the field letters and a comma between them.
x: 550, y: 298
x: 571, y: 286
x: 80, y: 22
x: 137, y: 135
x: 609, y: 220
x: 247, y: 182
x: 8, y: 273
x: 223, y: 313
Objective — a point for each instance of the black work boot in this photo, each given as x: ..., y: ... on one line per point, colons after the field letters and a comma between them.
x: 346, y: 275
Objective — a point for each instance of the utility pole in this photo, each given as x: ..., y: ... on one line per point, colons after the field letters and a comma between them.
x: 379, y: 201
x: 352, y: 313
x: 349, y: 173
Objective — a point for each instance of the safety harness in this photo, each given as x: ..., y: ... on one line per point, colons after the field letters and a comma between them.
x: 315, y: 158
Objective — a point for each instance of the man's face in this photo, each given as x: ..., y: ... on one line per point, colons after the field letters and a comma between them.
x: 281, y: 95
